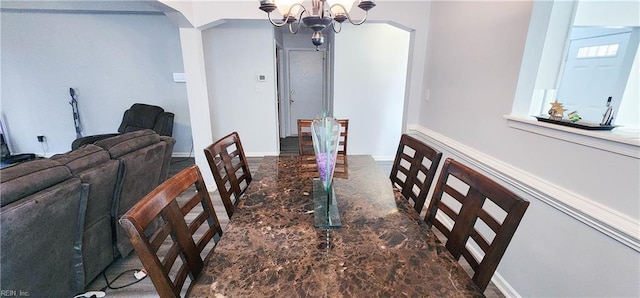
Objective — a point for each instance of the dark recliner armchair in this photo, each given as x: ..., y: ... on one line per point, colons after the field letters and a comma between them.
x: 139, y: 116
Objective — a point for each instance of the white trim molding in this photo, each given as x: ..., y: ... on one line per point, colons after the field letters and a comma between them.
x: 611, y: 223
x: 504, y: 286
x: 182, y: 154
x: 261, y: 154
x: 383, y: 158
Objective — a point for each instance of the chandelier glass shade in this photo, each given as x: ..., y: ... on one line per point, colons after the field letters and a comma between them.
x: 323, y: 14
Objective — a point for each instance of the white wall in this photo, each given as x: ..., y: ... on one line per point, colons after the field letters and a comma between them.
x: 607, y: 13
x: 370, y: 70
x: 475, y: 55
x: 629, y: 112
x: 236, y: 52
x: 111, y: 60
x: 207, y: 14
x: 413, y: 16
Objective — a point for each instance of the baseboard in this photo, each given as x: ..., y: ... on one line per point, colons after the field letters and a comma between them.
x: 211, y: 188
x: 383, y: 158
x: 182, y: 154
x: 248, y: 154
x: 261, y: 154
x: 503, y: 286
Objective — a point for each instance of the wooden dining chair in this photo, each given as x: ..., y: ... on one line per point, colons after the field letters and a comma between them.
x: 461, y: 197
x: 414, y: 169
x: 230, y: 169
x: 305, y: 141
x: 161, y: 214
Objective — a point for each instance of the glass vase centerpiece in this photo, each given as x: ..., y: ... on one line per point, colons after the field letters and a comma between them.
x: 325, y: 132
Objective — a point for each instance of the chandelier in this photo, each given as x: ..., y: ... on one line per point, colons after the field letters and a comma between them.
x: 324, y: 13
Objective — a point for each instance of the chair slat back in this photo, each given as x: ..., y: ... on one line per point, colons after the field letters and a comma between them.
x: 414, y: 169
x: 230, y: 169
x: 161, y: 214
x: 461, y: 197
x: 305, y: 140
x: 344, y: 130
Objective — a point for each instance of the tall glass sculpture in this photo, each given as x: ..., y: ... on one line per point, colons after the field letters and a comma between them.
x: 325, y: 132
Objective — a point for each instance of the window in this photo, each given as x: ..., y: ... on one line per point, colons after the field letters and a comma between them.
x: 601, y: 51
x: 596, y: 66
x: 591, y: 60
x: 585, y: 32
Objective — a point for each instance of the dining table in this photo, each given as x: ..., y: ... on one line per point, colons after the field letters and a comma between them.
x: 271, y: 248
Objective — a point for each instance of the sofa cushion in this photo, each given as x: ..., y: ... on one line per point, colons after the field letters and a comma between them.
x: 128, y: 142
x: 143, y: 159
x: 93, y: 166
x: 30, y: 177
x: 140, y: 173
x: 83, y: 158
x: 41, y: 236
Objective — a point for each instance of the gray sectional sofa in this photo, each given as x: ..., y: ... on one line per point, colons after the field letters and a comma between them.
x: 58, y: 216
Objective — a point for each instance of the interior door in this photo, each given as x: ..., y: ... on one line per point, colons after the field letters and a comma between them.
x: 599, y: 60
x: 306, y: 85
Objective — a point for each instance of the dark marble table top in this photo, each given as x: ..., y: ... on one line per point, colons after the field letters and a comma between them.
x: 271, y: 249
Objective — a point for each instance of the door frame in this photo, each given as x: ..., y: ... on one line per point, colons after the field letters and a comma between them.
x: 280, y: 85
x: 285, y: 104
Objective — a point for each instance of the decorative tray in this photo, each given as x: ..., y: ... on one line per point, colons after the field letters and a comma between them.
x: 581, y: 125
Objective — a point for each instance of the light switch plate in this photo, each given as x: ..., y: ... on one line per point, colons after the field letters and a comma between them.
x: 179, y: 77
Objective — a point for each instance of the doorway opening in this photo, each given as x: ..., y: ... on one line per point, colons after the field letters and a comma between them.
x: 365, y: 80
x: 303, y: 82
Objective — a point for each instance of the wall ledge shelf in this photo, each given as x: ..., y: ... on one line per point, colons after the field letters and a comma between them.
x: 618, y: 140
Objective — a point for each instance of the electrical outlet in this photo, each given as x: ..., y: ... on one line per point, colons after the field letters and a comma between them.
x: 41, y: 139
